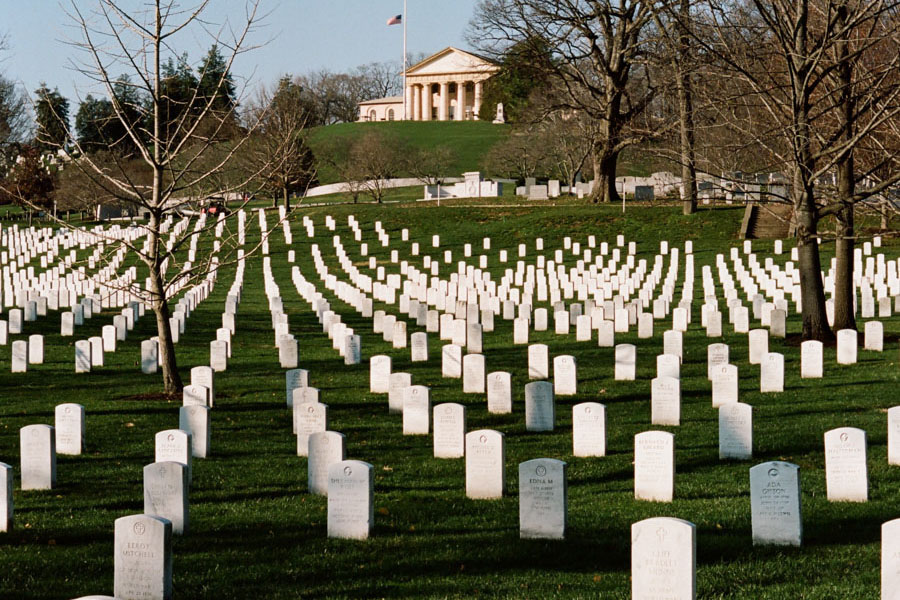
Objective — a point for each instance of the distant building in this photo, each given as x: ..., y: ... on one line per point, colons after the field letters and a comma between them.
x: 382, y: 109
x: 446, y: 86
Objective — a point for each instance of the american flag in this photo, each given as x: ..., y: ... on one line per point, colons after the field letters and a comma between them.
x: 395, y: 20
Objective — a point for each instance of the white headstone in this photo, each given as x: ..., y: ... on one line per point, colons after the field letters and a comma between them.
x: 499, y: 392
x: 776, y: 517
x: 69, y: 427
x: 874, y: 336
x: 565, y: 378
x: 890, y: 560
x: 473, y: 374
x: 143, y: 558
x: 6, y: 497
x: 846, y: 346
x: 205, y: 376
x: 397, y: 391
x: 419, y: 346
x: 811, y: 359
x: 735, y: 431
x: 351, y: 502
x: 174, y: 445
x: 589, y: 429
x: 724, y: 385
x: 665, y: 401
x: 654, y: 466
x: 37, y: 453
x: 451, y: 361
x: 626, y: 362
x: 416, y: 410
x: 540, y: 410
x: 542, y: 499
x: 893, y: 435
x: 166, y: 494
x: 663, y: 559
x: 846, y: 475
x: 194, y: 419
x: 379, y: 374
x: 449, y: 430
x: 485, y: 460
x: 771, y: 373
x: 538, y: 361
x: 149, y: 356
x: 325, y: 449
x: 759, y: 345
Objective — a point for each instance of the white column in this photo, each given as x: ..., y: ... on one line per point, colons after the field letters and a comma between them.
x: 417, y: 103
x: 444, y: 101
x: 409, y: 102
x: 460, y: 100
x: 426, y: 102
x: 479, y: 85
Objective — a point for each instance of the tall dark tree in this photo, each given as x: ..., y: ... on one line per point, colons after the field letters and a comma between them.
x: 99, y: 125
x: 28, y: 181
x: 215, y: 84
x: 13, y: 122
x: 524, y: 68
x: 177, y: 96
x: 52, y: 114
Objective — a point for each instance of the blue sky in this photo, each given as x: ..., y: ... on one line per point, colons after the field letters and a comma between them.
x: 303, y: 35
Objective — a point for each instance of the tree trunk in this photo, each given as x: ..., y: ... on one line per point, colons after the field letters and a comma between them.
x: 286, y: 200
x: 168, y: 364
x: 605, y: 171
x: 812, y: 292
x: 844, y: 290
x: 172, y: 384
x: 686, y: 114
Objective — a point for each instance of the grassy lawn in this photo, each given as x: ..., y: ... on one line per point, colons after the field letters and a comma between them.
x: 469, y: 141
x: 256, y: 533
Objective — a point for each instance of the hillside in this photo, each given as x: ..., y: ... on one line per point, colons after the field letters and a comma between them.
x: 469, y: 140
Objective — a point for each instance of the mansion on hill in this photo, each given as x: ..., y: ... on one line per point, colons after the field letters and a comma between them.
x: 446, y: 86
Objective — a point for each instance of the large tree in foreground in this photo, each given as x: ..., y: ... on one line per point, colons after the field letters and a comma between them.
x: 598, y: 50
x: 179, y: 138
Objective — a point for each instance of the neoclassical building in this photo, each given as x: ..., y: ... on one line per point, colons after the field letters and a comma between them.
x: 446, y: 86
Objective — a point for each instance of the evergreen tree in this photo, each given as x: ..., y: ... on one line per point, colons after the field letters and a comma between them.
x: 52, y: 114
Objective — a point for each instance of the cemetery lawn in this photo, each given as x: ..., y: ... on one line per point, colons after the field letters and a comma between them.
x: 468, y: 141
x: 256, y: 533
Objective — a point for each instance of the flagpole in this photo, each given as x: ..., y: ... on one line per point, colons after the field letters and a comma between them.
x: 404, y: 60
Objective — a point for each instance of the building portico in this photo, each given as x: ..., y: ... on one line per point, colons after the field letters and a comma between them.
x: 447, y: 86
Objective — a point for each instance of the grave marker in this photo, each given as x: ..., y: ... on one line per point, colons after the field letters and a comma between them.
x: 589, y: 429
x: 143, y: 558
x: 485, y: 459
x: 37, y: 453
x: 166, y: 494
x: 846, y: 476
x: 449, y: 430
x: 663, y: 559
x: 654, y: 466
x: 775, y: 510
x: 542, y: 499
x: 351, y: 501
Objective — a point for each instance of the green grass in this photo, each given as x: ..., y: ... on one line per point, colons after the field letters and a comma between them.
x: 468, y: 141
x: 256, y: 533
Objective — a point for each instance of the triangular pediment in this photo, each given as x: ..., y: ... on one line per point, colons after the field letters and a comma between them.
x: 452, y: 60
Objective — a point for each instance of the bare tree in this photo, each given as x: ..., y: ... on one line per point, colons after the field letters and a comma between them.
x: 279, y: 150
x: 598, y: 47
x: 784, y: 74
x: 177, y: 150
